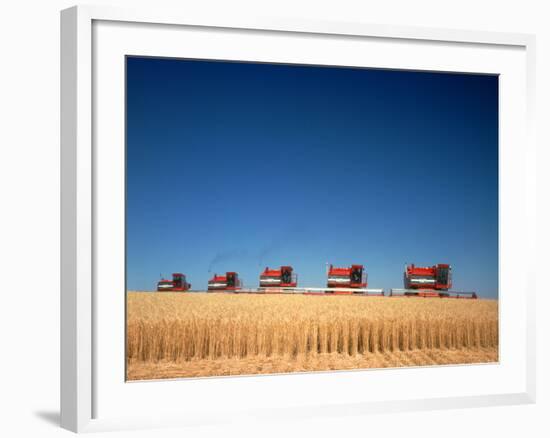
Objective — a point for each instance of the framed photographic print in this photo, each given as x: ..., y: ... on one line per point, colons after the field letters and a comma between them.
x: 251, y: 208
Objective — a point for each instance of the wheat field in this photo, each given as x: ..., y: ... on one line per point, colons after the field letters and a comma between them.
x: 211, y: 334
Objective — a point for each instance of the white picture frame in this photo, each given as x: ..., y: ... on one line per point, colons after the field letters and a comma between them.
x: 90, y: 36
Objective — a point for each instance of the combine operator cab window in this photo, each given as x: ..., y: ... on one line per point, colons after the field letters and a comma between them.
x: 442, y: 275
x: 286, y: 277
x: 356, y: 275
x: 230, y: 280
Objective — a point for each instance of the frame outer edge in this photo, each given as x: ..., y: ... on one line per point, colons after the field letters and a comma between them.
x: 68, y: 220
x: 76, y: 336
x: 532, y: 198
x: 76, y: 237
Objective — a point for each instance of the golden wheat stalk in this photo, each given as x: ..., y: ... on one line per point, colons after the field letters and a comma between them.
x: 183, y: 327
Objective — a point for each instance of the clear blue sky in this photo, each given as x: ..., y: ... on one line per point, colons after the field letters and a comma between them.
x: 238, y: 166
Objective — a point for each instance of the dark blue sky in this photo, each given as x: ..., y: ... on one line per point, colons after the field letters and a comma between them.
x: 238, y: 166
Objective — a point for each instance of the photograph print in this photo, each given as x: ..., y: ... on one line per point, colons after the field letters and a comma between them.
x: 285, y: 218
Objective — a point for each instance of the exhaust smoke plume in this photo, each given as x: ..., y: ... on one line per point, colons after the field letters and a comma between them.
x: 226, y: 256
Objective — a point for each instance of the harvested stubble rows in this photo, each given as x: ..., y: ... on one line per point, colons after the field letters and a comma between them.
x: 186, y: 334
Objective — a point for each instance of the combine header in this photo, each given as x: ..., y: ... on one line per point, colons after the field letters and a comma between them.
x: 228, y: 282
x: 432, y: 281
x: 177, y: 284
x: 278, y: 278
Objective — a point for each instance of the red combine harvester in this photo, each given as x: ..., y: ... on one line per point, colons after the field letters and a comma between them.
x: 177, y: 284
x: 278, y: 278
x: 353, y: 277
x: 430, y: 281
x: 229, y: 281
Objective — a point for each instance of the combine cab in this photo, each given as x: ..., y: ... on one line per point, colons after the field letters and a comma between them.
x: 177, y: 284
x: 229, y: 281
x: 277, y: 278
x: 431, y: 281
x: 353, y: 277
